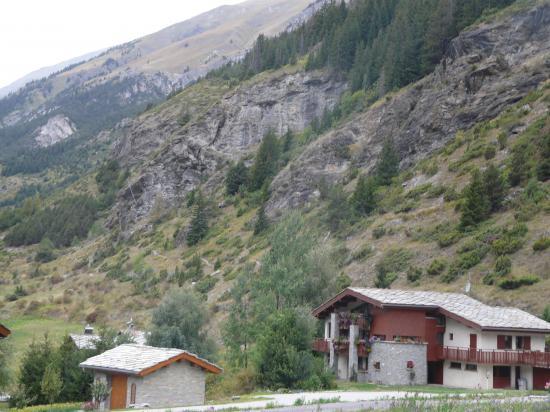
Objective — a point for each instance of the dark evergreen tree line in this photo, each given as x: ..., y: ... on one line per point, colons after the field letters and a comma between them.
x: 387, y: 44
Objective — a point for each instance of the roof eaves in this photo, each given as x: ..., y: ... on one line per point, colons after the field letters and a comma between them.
x: 106, y: 369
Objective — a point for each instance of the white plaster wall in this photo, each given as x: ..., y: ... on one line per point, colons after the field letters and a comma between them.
x: 489, y: 340
x: 461, y: 334
x: 179, y: 384
x: 485, y: 340
x: 480, y: 379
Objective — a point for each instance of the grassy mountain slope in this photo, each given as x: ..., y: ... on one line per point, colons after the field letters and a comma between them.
x: 111, y: 275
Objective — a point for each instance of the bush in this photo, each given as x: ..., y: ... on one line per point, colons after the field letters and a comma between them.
x: 436, y: 267
x: 448, y: 238
x: 490, y: 152
x: 390, y: 265
x: 206, y: 284
x: 506, y: 245
x: 414, y: 274
x: 454, y: 272
x: 518, y: 281
x: 542, y: 243
x: 378, y: 232
x: 503, y: 266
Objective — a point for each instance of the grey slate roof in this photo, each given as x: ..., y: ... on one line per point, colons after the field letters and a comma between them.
x: 84, y: 341
x: 460, y: 305
x: 133, y: 359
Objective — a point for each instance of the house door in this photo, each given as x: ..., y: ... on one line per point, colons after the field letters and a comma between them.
x: 540, y: 377
x: 118, y: 391
x: 435, y: 372
x: 473, y: 346
x: 501, y: 377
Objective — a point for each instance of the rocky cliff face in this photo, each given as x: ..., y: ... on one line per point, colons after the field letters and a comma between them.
x: 56, y: 129
x: 185, y: 156
x: 487, y: 69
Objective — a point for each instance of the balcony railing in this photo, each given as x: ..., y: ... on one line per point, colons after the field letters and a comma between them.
x: 321, y: 345
x: 496, y: 357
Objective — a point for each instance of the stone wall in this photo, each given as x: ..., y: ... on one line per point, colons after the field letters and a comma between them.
x: 393, y: 357
x: 180, y: 384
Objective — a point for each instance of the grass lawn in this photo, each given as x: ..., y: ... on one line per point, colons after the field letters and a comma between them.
x: 25, y: 329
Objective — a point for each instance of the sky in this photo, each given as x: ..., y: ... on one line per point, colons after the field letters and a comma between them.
x: 39, y: 33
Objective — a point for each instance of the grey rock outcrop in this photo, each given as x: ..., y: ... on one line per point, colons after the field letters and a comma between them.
x: 183, y: 157
x: 486, y: 69
x: 56, y: 129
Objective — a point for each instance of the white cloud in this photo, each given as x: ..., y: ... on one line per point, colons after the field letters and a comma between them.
x: 39, y: 33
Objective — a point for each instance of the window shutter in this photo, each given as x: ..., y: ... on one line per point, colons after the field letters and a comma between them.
x: 501, y: 342
x: 527, y: 342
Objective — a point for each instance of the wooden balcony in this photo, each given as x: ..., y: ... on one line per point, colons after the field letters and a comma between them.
x: 321, y: 345
x: 496, y: 357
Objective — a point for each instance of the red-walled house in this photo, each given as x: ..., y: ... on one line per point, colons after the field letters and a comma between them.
x: 401, y: 337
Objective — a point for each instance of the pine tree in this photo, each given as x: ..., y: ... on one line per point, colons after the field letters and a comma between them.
x: 494, y: 187
x: 237, y: 177
x: 519, y: 164
x: 262, y: 223
x: 199, y: 223
x: 51, y: 384
x: 476, y: 206
x: 266, y: 162
x: 364, y: 197
x: 388, y: 163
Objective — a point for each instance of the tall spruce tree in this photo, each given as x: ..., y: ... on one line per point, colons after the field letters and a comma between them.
x: 237, y: 177
x: 262, y: 223
x: 266, y: 162
x: 495, y: 187
x: 199, y: 223
x: 364, y: 197
x: 388, y: 163
x: 476, y: 206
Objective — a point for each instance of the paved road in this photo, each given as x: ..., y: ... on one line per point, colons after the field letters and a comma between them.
x: 346, y: 401
x: 343, y: 402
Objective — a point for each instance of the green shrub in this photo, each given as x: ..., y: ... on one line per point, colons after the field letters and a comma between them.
x: 503, y: 266
x: 436, y: 267
x: 490, y: 152
x: 451, y: 194
x: 542, y: 243
x: 414, y: 273
x: 453, y: 273
x: 518, y: 281
x: 506, y: 245
x: 378, y: 232
x: 502, y: 139
x: 448, y: 238
x: 206, y: 284
x: 390, y: 265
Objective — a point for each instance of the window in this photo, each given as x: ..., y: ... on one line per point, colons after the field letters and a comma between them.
x: 451, y: 336
x: 470, y: 367
x: 455, y: 365
x: 440, y: 337
x: 133, y: 394
x: 504, y: 342
x: 377, y: 366
x: 523, y: 342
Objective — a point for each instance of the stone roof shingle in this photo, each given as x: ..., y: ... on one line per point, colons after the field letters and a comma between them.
x: 460, y: 305
x: 135, y: 359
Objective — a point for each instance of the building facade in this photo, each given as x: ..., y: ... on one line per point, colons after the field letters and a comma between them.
x: 145, y: 376
x: 411, y: 337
